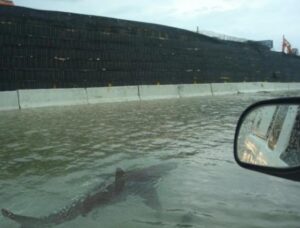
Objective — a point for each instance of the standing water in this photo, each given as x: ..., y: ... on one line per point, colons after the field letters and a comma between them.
x: 51, y: 157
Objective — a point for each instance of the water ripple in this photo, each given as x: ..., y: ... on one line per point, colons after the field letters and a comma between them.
x: 49, y: 156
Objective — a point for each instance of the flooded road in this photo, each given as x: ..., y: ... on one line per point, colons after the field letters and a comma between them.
x: 50, y: 157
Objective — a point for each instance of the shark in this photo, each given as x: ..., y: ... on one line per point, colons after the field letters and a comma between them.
x: 140, y: 182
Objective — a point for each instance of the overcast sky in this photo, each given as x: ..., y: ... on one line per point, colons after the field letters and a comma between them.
x: 250, y: 19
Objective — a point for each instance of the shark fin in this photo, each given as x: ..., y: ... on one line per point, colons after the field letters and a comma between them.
x: 119, y: 180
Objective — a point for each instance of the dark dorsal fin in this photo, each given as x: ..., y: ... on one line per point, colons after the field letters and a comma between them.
x: 119, y: 173
x: 119, y: 180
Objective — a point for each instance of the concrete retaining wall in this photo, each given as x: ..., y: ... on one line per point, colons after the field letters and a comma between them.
x: 62, y: 97
x: 194, y: 90
x: 155, y: 92
x: 52, y: 97
x: 9, y: 100
x: 112, y: 94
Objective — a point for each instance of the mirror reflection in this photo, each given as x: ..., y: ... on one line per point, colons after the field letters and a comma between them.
x: 270, y: 136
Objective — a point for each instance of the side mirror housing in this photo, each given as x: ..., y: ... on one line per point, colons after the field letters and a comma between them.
x: 267, y: 138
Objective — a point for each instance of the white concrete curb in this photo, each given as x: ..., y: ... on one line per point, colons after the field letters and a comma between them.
x: 52, y: 97
x: 9, y: 100
x: 61, y: 97
x: 112, y: 94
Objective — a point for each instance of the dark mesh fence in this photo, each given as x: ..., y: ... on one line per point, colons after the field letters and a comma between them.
x: 43, y: 49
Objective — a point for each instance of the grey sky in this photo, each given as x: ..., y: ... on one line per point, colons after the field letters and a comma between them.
x: 254, y: 19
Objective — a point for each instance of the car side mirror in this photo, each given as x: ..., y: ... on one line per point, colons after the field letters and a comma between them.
x: 267, y: 138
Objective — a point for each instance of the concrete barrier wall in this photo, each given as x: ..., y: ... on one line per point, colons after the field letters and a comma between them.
x: 194, y: 90
x: 273, y: 86
x: 224, y: 88
x: 280, y: 86
x: 249, y: 87
x: 154, y: 92
x: 52, y: 97
x: 62, y: 97
x: 9, y: 100
x: 112, y: 94
x: 294, y: 86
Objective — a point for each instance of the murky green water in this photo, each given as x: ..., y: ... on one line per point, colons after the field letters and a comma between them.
x: 51, y: 156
